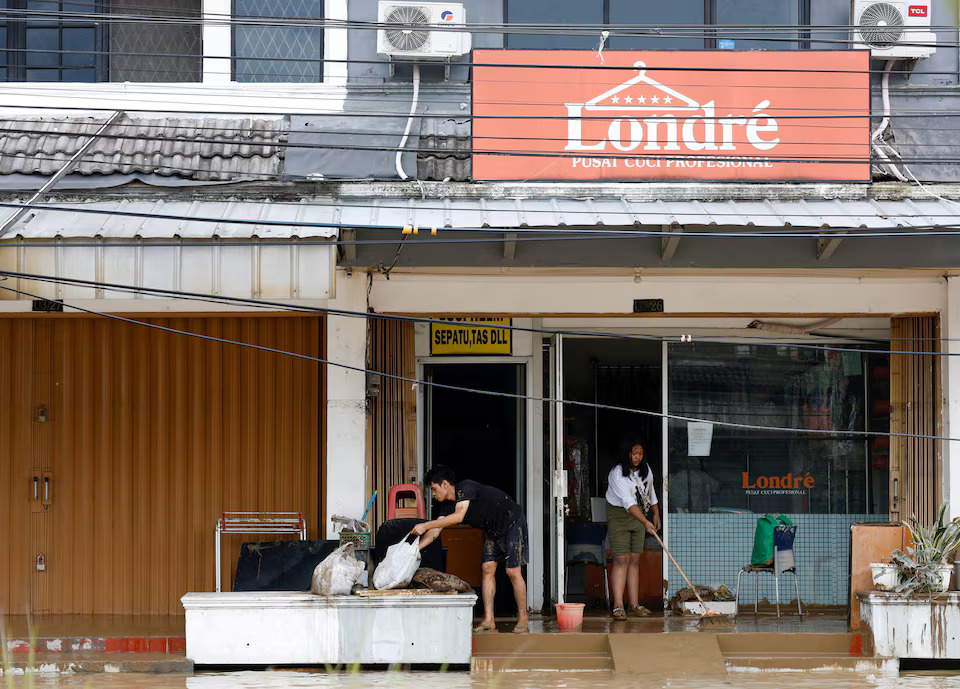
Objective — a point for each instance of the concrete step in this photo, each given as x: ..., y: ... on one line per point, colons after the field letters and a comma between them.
x: 482, y: 665
x: 803, y: 662
x: 760, y: 643
x: 52, y: 663
x: 553, y: 652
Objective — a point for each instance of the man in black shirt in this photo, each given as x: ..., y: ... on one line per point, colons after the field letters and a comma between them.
x: 490, y: 509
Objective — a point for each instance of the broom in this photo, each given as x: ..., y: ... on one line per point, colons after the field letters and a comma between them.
x: 709, y: 618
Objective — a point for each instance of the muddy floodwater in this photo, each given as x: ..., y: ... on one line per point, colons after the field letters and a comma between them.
x: 463, y: 680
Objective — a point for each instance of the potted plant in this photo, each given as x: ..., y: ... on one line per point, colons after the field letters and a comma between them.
x: 923, y: 568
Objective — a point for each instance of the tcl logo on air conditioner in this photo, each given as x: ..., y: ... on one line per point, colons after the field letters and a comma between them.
x: 917, y: 10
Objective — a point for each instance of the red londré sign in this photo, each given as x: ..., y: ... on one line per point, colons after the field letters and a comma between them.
x: 696, y: 115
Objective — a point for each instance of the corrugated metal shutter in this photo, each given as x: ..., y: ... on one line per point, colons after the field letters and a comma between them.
x: 393, y: 419
x: 149, y: 436
x: 915, y: 463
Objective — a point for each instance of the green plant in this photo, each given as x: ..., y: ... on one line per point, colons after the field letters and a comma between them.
x: 919, y: 567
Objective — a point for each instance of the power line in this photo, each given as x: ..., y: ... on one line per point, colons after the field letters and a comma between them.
x: 517, y: 396
x: 800, y: 33
x: 755, y: 340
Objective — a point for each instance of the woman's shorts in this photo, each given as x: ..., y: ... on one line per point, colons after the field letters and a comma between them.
x: 627, y: 533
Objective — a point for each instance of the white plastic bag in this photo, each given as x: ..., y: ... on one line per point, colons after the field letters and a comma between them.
x: 337, y: 574
x: 399, y: 565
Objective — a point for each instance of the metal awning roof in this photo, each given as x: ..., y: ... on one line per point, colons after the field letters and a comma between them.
x: 168, y: 219
x: 206, y: 219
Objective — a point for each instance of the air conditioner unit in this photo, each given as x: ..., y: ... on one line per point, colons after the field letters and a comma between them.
x: 422, y: 30
x: 892, y: 29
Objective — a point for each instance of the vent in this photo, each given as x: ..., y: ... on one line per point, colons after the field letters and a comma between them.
x: 881, y: 25
x: 410, y: 33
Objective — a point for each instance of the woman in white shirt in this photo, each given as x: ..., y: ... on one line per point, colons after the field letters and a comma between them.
x: 630, y: 497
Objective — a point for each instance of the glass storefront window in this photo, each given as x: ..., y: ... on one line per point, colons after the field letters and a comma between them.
x: 714, y: 468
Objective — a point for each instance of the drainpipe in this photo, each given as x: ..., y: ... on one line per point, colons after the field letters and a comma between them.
x: 884, y: 123
x: 413, y: 111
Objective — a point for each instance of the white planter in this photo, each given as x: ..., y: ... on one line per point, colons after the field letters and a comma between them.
x: 917, y: 626
x: 885, y: 576
x: 946, y: 571
x: 290, y: 628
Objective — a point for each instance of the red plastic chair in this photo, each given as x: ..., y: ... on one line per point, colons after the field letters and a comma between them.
x: 402, y: 491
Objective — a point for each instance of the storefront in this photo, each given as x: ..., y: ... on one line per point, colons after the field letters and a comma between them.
x: 722, y: 308
x: 740, y: 421
x: 714, y: 479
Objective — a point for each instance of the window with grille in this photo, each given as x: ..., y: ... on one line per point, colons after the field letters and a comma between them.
x: 51, y: 40
x: 278, y: 41
x: 156, y: 41
x: 96, y: 40
x: 673, y: 25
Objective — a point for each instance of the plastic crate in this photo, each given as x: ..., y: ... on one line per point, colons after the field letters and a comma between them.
x: 361, y: 541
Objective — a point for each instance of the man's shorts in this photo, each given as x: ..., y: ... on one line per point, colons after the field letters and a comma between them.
x: 627, y: 533
x: 511, y: 549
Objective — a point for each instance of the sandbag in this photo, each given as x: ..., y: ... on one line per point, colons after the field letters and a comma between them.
x: 399, y: 565
x: 441, y: 582
x: 337, y: 574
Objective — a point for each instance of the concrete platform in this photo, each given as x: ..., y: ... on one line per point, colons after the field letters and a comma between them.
x: 294, y: 628
x: 820, y: 641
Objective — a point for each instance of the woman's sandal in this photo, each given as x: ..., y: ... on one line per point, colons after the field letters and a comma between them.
x: 639, y: 611
x: 619, y: 614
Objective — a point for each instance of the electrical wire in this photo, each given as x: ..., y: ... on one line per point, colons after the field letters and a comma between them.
x: 479, y: 391
x: 752, y: 340
x: 798, y: 33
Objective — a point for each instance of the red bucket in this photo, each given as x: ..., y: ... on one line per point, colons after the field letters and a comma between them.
x: 569, y: 615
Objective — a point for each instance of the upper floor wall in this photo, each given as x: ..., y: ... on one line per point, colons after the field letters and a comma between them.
x: 822, y: 26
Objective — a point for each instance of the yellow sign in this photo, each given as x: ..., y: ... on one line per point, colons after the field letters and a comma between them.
x: 470, y: 336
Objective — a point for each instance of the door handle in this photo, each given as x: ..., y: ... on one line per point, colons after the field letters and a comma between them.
x: 36, y: 487
x: 47, y: 489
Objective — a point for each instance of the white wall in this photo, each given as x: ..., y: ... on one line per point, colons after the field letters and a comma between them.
x: 486, y: 294
x: 346, y: 480
x: 950, y: 329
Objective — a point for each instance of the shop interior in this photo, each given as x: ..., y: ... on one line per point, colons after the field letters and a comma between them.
x: 481, y: 437
x: 617, y: 373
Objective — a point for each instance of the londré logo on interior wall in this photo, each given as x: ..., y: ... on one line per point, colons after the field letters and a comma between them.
x: 788, y: 484
x: 685, y: 114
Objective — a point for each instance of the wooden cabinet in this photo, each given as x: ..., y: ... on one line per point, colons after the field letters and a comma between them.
x: 464, y: 546
x: 651, y: 579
